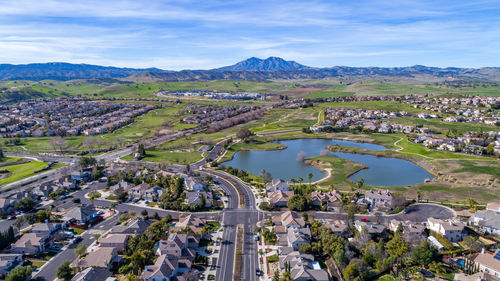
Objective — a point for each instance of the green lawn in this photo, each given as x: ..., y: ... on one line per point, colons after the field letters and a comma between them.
x: 341, y: 170
x: 77, y: 231
x: 21, y: 171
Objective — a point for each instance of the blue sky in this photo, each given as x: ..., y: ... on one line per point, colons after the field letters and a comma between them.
x: 186, y: 34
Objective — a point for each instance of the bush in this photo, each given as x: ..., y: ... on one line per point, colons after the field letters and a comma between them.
x: 76, y: 200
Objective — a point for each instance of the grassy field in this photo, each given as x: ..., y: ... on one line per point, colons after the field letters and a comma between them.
x: 257, y: 143
x: 19, y: 171
x: 321, y: 88
x: 340, y: 170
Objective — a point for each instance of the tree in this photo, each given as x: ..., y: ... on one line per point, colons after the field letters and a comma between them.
x: 1, y: 153
x: 64, y: 271
x: 297, y: 203
x: 490, y: 149
x: 360, y: 183
x: 19, y: 273
x: 424, y: 254
x: 350, y: 272
x: 141, y: 151
x: 112, y: 206
x: 397, y: 247
x: 25, y: 204
x: 58, y: 143
x: 244, y: 133
x: 81, y: 250
x: 309, y: 177
x: 86, y: 162
x: 144, y: 213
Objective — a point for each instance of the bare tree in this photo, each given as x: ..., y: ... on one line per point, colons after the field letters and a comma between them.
x: 90, y: 143
x: 59, y: 144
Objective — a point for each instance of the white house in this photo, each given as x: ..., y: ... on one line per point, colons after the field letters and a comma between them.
x: 449, y: 229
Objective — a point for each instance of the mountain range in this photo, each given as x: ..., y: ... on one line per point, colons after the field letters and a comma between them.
x: 250, y: 69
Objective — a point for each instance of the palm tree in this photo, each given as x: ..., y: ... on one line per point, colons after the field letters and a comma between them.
x: 300, y: 180
x: 309, y: 177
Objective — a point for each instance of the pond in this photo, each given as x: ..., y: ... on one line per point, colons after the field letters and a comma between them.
x: 287, y: 163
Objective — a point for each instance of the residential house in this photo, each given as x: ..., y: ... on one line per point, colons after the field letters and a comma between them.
x: 137, y: 226
x: 319, y: 197
x: 80, y: 215
x: 137, y: 192
x: 297, y: 236
x: 122, y: 186
x: 193, y: 184
x: 288, y: 219
x: 163, y: 269
x: 411, y: 231
x: 92, y: 274
x: 43, y: 190
x: 178, y: 245
x: 302, y: 267
x: 117, y: 241
x: 489, y: 263
x: 379, y: 199
x: 6, y: 206
x: 338, y: 227
x: 279, y: 198
x: 104, y: 257
x: 45, y: 228
x: 487, y: 221
x: 153, y: 194
x: 194, y: 198
x: 31, y: 244
x: 369, y: 227
x: 81, y: 175
x: 277, y: 185
x: 449, y: 229
x: 8, y: 262
x: 190, y: 221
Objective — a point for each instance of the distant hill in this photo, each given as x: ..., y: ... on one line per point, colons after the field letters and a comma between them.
x: 65, y: 71
x: 269, y: 64
x: 251, y: 69
x: 419, y: 73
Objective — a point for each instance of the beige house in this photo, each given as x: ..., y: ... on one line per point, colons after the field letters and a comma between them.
x: 279, y: 198
x: 102, y: 257
x: 118, y: 241
x: 488, y: 263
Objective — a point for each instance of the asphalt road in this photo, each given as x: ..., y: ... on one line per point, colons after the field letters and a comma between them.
x: 48, y: 272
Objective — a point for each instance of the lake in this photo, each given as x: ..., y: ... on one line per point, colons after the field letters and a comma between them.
x: 287, y: 163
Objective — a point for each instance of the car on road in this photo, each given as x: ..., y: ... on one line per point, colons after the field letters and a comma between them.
x: 258, y: 272
x: 77, y: 239
x: 364, y: 220
x: 256, y: 237
x: 13, y: 217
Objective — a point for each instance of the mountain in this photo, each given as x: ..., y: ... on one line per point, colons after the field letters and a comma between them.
x: 269, y: 64
x: 415, y: 73
x: 250, y: 69
x: 65, y: 71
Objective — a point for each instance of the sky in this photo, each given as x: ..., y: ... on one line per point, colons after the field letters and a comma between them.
x: 186, y: 34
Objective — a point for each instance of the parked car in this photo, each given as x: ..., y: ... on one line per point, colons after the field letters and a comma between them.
x: 256, y: 237
x: 77, y: 239
x: 364, y: 220
x: 258, y: 272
